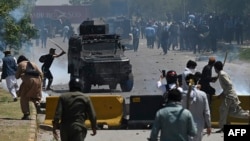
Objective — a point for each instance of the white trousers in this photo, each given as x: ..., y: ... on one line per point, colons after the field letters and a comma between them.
x: 12, y: 85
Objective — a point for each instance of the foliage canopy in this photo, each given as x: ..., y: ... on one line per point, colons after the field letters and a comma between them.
x: 15, y: 23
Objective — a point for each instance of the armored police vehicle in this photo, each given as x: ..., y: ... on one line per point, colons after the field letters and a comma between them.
x: 97, y: 58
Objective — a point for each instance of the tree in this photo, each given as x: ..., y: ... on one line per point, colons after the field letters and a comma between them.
x: 15, y: 23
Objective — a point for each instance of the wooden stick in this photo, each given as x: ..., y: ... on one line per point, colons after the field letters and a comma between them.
x: 225, y: 59
x: 190, y: 84
x: 55, y: 43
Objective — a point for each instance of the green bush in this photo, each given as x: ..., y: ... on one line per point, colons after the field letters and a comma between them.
x: 244, y: 54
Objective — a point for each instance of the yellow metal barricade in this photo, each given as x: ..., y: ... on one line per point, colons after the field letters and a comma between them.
x: 108, y: 108
x: 51, y: 103
x: 245, y: 104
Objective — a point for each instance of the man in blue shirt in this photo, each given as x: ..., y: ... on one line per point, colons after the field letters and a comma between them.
x: 150, y: 36
x: 8, y: 73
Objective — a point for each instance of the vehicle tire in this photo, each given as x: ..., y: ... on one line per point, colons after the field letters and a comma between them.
x: 112, y: 86
x: 86, y: 87
x: 70, y: 87
x: 127, y: 85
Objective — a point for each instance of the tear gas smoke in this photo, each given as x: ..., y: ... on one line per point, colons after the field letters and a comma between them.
x: 238, y: 72
x: 18, y: 13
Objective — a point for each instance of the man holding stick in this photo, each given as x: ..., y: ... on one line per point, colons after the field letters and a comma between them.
x: 47, y: 61
x: 196, y: 101
x: 230, y: 102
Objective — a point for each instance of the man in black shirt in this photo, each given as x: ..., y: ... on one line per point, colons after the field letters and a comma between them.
x: 206, y: 78
x: 47, y: 61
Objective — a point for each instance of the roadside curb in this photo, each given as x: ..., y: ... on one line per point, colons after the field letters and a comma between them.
x: 33, y: 125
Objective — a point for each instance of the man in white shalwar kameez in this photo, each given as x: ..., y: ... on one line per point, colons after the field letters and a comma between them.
x: 198, y: 105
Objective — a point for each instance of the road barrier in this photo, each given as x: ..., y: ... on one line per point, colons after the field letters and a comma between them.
x: 245, y: 104
x: 142, y: 110
x: 108, y: 108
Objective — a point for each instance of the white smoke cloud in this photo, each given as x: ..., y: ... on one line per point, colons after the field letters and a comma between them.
x: 18, y: 13
x: 237, y: 71
x: 59, y: 69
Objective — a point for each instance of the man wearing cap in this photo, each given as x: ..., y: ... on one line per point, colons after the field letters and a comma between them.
x: 47, y: 61
x: 206, y: 79
x: 8, y: 73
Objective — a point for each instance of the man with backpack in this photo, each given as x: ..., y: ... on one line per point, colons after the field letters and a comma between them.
x: 47, y: 61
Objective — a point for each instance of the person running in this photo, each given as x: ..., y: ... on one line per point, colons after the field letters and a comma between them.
x: 31, y: 86
x: 9, y: 68
x: 47, y: 61
x: 230, y: 104
x: 72, y: 110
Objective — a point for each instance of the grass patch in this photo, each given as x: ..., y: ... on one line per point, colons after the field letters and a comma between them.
x: 14, y: 133
x: 9, y: 109
x: 12, y: 128
x: 244, y: 54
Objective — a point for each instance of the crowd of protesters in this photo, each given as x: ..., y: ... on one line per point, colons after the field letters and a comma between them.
x: 197, y: 33
x: 191, y: 91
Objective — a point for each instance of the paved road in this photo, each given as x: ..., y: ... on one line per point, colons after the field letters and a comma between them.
x: 45, y: 134
x: 52, y: 2
x: 146, y: 64
x: 136, y: 135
